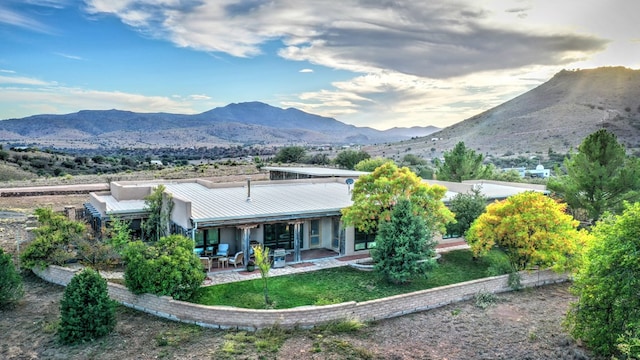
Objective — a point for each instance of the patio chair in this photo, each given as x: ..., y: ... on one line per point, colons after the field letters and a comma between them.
x: 237, y: 259
x: 208, y: 251
x: 206, y: 262
x: 223, y: 250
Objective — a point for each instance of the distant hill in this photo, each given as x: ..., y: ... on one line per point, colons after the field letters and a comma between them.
x: 556, y: 115
x: 234, y: 124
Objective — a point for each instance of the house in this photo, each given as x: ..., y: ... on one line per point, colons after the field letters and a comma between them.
x: 295, y: 215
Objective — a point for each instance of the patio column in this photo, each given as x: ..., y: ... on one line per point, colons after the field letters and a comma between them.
x: 296, y: 241
x: 246, y: 241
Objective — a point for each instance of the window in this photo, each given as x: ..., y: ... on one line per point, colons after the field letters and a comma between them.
x: 280, y: 235
x: 207, y: 237
x: 314, y: 233
x: 364, y: 241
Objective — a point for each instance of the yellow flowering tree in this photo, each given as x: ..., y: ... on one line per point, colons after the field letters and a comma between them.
x: 374, y: 196
x: 533, y: 229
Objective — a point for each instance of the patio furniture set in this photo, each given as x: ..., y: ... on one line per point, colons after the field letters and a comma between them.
x: 221, y: 257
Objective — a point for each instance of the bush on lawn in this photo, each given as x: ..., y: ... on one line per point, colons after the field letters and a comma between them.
x: 11, y: 287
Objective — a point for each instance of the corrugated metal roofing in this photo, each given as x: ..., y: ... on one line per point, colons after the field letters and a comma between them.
x: 115, y: 207
x: 266, y: 200
x: 317, y: 171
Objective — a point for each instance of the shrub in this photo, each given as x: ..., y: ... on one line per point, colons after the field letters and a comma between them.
x: 169, y: 267
x: 11, y: 288
x: 86, y: 312
x: 606, y: 315
x: 53, y: 237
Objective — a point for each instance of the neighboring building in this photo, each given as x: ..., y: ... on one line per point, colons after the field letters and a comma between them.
x: 538, y: 172
x: 295, y: 215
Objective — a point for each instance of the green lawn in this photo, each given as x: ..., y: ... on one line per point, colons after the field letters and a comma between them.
x: 342, y: 284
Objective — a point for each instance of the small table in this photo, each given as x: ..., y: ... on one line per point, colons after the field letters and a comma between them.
x: 223, y: 262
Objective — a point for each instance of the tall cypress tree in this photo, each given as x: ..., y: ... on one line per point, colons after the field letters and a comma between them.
x: 600, y: 177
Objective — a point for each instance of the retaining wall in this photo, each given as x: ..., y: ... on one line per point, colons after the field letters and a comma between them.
x: 226, y: 317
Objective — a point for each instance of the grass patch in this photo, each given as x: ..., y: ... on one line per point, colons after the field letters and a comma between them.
x: 342, y: 284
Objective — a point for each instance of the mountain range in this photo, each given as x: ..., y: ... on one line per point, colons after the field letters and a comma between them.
x: 234, y: 124
x: 555, y: 116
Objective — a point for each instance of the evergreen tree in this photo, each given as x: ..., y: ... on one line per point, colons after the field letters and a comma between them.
x: 462, y: 163
x: 86, y: 312
x: 11, y: 287
x: 404, y: 245
x: 599, y: 178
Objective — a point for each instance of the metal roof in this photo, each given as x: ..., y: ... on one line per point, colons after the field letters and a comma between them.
x: 272, y: 200
x: 317, y: 171
x: 115, y: 207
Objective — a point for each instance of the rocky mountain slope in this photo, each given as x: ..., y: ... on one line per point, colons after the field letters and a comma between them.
x: 556, y: 115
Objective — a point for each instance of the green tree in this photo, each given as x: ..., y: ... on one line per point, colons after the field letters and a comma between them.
x: 119, y: 234
x: 264, y: 265
x: 86, y: 312
x: 462, y: 163
x: 532, y: 229
x: 467, y: 208
x: 607, y: 312
x: 404, y: 245
x: 11, y: 287
x: 374, y: 196
x: 600, y: 177
x: 349, y: 158
x: 53, y: 238
x: 158, y: 205
x: 370, y: 164
x: 291, y: 154
x: 320, y: 159
x: 412, y: 159
x: 168, y: 267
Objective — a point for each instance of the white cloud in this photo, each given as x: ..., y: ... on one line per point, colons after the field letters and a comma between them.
x: 437, y: 39
x: 306, y: 71
x: 199, y: 97
x: 21, y: 80
x: 435, y: 62
x: 13, y: 18
x: 387, y: 99
x: 68, y: 56
x: 7, y: 71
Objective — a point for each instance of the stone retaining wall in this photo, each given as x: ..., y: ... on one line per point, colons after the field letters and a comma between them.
x: 226, y: 317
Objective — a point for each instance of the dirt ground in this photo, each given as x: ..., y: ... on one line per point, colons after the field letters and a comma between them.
x: 519, y: 325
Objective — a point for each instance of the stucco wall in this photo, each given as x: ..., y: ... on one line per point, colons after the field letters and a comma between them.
x: 225, y: 317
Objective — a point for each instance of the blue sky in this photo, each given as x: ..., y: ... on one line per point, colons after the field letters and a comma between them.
x: 368, y: 63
